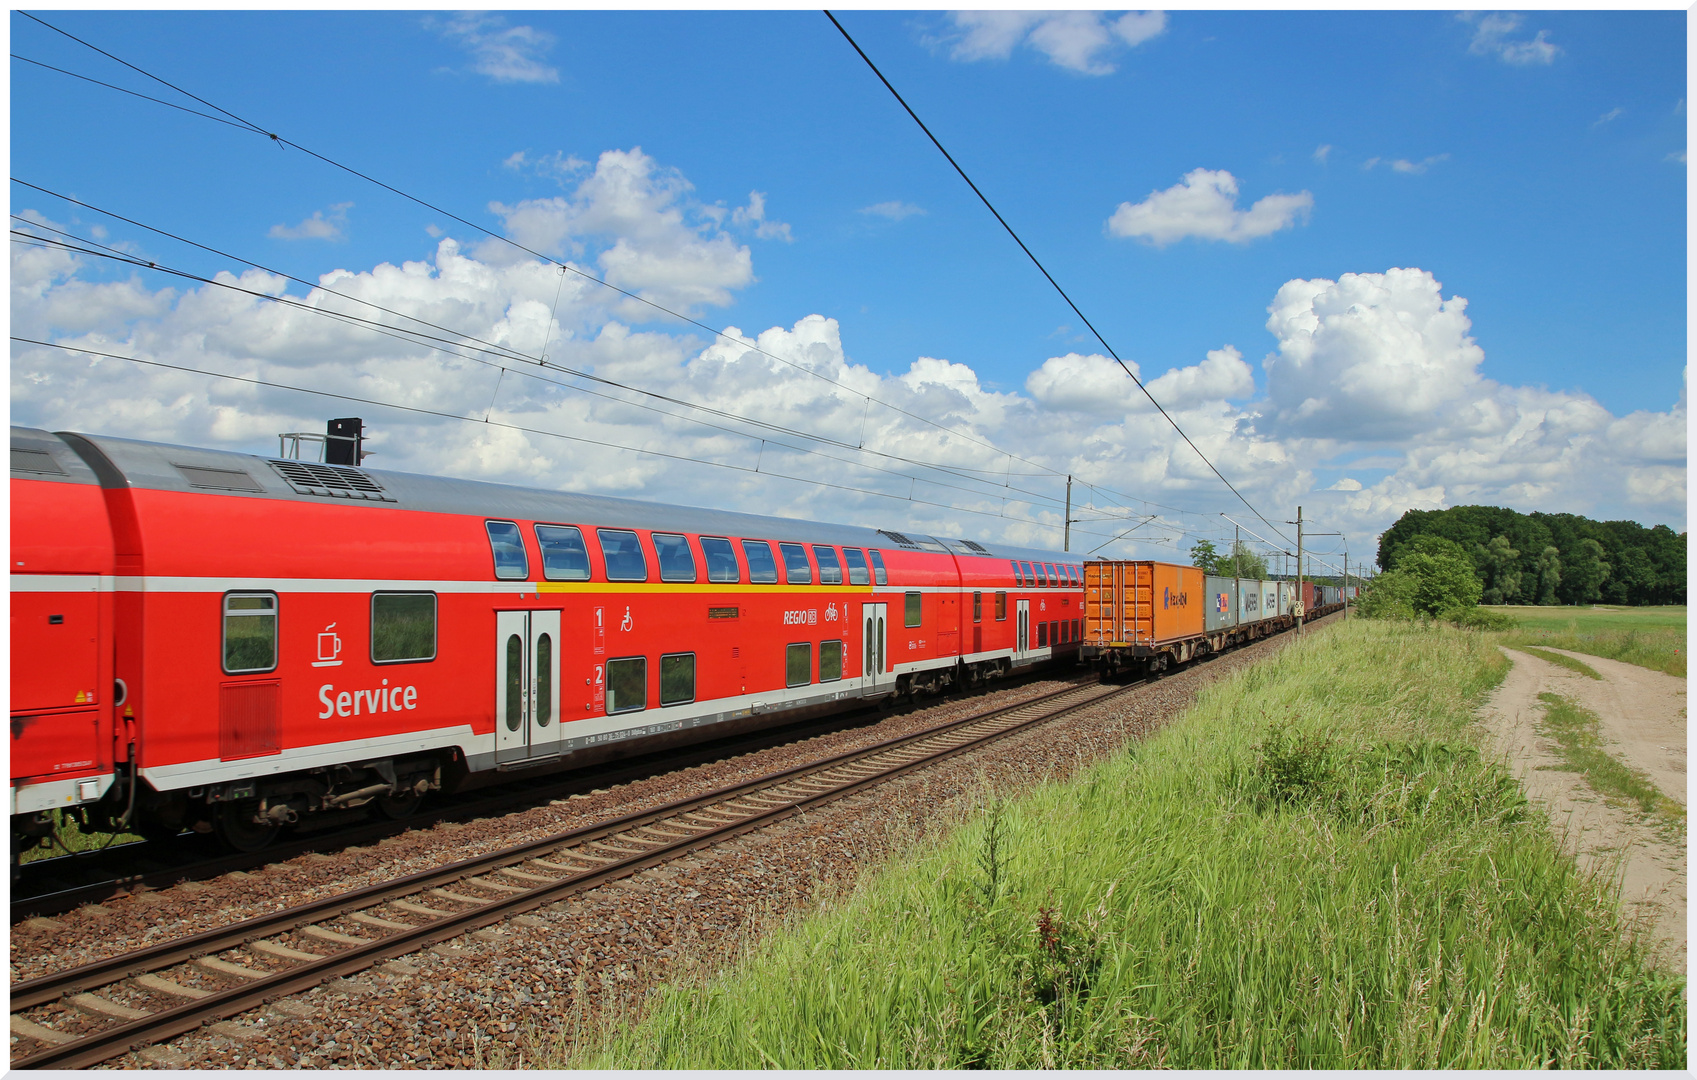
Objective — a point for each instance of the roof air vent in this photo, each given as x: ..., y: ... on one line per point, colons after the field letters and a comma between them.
x: 35, y: 461
x: 201, y: 476
x: 334, y: 481
x: 899, y: 538
x: 976, y: 546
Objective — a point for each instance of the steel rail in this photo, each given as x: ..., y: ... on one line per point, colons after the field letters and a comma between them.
x: 104, y: 1044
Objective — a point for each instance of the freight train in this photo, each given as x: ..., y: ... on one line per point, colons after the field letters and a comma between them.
x: 231, y: 643
x: 1144, y: 617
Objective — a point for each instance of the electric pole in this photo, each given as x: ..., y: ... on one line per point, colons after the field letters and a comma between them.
x: 1301, y: 613
x: 1066, y: 534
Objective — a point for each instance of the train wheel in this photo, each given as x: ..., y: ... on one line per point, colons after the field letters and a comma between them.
x: 397, y: 807
x: 234, y: 824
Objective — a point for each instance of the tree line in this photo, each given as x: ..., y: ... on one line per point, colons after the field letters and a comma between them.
x: 1546, y: 558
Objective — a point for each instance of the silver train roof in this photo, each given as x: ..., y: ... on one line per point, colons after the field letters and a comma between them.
x: 165, y: 467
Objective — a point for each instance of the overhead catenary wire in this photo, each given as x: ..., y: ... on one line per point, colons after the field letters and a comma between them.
x: 356, y: 399
x: 1044, y: 271
x: 566, y: 267
x: 503, y: 369
x: 753, y: 346
x: 502, y: 352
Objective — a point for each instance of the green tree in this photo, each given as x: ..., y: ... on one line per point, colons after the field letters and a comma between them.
x: 1243, y: 563
x: 1501, y: 563
x: 1586, y: 571
x: 1549, y: 575
x: 1203, y: 556
x: 1430, y: 579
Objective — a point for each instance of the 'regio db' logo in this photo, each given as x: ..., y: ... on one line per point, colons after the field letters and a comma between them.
x: 1172, y: 599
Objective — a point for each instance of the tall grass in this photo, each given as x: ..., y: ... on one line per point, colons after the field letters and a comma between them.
x: 1313, y: 868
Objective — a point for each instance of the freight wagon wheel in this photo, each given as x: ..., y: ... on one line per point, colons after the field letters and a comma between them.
x: 396, y: 807
x: 234, y: 824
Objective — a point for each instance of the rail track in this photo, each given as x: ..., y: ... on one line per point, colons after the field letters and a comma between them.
x: 187, y: 984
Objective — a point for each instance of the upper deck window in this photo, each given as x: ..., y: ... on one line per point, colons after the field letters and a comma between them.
x: 856, y: 561
x: 511, y: 563
x: 721, y: 560
x: 762, y: 568
x: 878, y: 574
x: 677, y: 562
x: 1049, y: 572
x: 1018, y: 574
x: 1027, y: 575
x: 796, y: 569
x: 830, y: 573
x: 564, y: 558
x: 623, y: 554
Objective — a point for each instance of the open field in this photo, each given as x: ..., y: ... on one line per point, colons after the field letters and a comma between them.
x: 1313, y: 868
x: 1652, y: 637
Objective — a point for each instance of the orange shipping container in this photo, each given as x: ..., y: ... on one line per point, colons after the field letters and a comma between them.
x: 1141, y: 603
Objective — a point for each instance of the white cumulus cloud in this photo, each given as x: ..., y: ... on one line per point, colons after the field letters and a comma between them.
x: 1204, y: 205
x: 895, y: 210
x: 1075, y: 40
x: 321, y: 225
x: 1491, y: 37
x: 502, y: 52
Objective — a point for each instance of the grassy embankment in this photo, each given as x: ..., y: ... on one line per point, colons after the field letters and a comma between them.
x: 1312, y: 868
x: 1651, y: 637
x: 1578, y: 734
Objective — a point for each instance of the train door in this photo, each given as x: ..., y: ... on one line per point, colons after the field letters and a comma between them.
x: 874, y: 638
x: 1022, y: 630
x: 527, y: 684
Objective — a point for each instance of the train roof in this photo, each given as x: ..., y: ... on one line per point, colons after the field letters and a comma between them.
x: 165, y: 467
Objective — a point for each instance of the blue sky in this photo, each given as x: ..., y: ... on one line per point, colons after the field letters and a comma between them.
x: 1532, y: 165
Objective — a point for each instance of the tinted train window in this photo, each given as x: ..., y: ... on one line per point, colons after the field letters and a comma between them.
x: 1001, y: 606
x: 1042, y: 635
x: 830, y: 573
x: 830, y: 661
x: 625, y: 561
x: 796, y: 570
x: 1018, y: 574
x: 977, y: 607
x: 564, y: 558
x: 508, y: 548
x: 798, y: 665
x: 762, y: 570
x: 915, y: 608
x: 856, y: 561
x: 677, y: 678
x: 627, y: 684
x: 677, y: 563
x: 878, y: 574
x: 721, y: 559
x: 1028, y: 577
x: 403, y: 627
x: 1049, y: 572
x: 250, y: 632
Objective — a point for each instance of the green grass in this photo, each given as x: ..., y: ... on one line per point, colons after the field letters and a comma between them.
x: 1651, y: 637
x: 1579, y: 736
x: 1561, y: 660
x: 1313, y: 868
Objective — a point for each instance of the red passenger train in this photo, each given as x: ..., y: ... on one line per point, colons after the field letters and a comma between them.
x: 228, y: 642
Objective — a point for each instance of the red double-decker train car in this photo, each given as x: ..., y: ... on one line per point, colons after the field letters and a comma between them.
x: 230, y: 642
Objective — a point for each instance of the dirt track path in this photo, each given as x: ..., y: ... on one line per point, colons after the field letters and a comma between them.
x: 1643, y: 719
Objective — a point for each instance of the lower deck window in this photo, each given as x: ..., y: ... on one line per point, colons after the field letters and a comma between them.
x: 250, y: 632
x: 830, y: 661
x: 403, y: 627
x: 798, y: 665
x: 1042, y: 634
x: 915, y: 606
x: 1001, y: 606
x: 677, y: 678
x: 627, y: 684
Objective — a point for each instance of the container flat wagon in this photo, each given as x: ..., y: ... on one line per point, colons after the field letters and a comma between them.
x: 1146, y: 616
